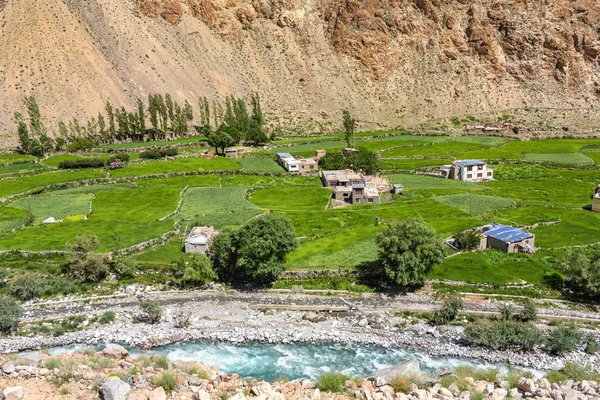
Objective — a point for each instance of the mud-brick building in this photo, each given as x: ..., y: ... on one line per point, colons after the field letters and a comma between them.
x: 507, y: 238
x: 350, y: 187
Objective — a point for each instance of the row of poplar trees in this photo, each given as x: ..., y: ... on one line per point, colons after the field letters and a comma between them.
x: 160, y: 118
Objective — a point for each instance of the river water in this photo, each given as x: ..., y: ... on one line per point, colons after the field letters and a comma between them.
x: 296, y: 361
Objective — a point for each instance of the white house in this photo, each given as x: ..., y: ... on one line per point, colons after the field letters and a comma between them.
x: 468, y: 170
x: 289, y: 162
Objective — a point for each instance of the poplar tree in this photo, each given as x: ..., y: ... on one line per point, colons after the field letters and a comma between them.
x: 102, y: 128
x: 22, y: 132
x: 141, y: 117
x: 63, y: 131
x: 111, y: 121
x: 153, y: 111
x: 170, y: 109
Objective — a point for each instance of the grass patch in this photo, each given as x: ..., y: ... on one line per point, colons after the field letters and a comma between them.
x: 334, y: 382
x: 15, y: 158
x: 133, y: 145
x: 12, y: 218
x: 559, y: 158
x: 23, y: 184
x: 20, y: 168
x: 292, y: 200
x: 424, y: 182
x: 177, y: 165
x: 478, y: 204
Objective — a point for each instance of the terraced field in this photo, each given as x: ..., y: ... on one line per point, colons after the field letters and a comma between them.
x: 536, y: 181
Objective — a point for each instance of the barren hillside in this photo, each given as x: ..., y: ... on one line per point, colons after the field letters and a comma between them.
x: 393, y: 62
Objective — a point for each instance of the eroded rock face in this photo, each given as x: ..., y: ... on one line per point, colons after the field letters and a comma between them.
x: 558, y: 39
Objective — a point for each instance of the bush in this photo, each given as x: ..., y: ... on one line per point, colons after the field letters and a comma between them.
x: 591, y: 345
x: 3, y: 277
x: 502, y: 334
x: 82, y: 260
x: 123, y: 157
x: 107, y: 317
x: 151, y: 312
x: 52, y: 363
x: 575, y: 372
x: 80, y: 144
x: 82, y: 163
x: 564, y: 339
x: 157, y: 154
x: 166, y: 381
x: 449, y: 311
x: 160, y: 362
x: 332, y: 382
x: 26, y: 286
x: 528, y: 312
x: 10, y: 313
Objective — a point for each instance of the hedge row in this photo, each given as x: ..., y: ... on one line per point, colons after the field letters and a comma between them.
x: 156, y: 154
x: 93, y: 162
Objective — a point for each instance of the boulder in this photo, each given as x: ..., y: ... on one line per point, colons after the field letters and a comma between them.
x: 13, y: 393
x: 201, y: 395
x: 115, y: 351
x: 262, y: 388
x: 405, y: 368
x: 49, y: 220
x: 157, y: 394
x: 515, y: 394
x: 445, y: 392
x: 526, y: 385
x: 115, y: 390
x: 379, y: 381
x: 316, y: 395
x: 238, y: 396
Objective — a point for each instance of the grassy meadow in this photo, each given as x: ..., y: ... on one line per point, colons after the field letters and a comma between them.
x: 535, y: 181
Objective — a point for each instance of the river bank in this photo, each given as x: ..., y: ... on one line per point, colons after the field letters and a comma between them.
x: 233, y: 318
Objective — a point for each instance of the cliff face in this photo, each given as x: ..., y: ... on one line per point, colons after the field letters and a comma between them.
x: 391, y: 61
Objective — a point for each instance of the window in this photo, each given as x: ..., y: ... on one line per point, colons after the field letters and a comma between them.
x: 370, y: 200
x: 358, y: 200
x: 480, y: 175
x: 489, y: 174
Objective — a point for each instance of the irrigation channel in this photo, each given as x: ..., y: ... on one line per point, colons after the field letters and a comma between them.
x: 271, y: 362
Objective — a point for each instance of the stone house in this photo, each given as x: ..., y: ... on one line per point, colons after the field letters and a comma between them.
x: 231, y: 153
x: 467, y: 170
x: 308, y: 165
x: 199, y: 240
x: 507, y: 238
x: 350, y: 187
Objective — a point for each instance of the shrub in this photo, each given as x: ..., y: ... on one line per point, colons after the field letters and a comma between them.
x: 107, y: 317
x: 82, y: 163
x: 555, y: 376
x: 123, y: 157
x: 82, y: 260
x: 52, y: 363
x: 26, y: 286
x: 564, y: 339
x: 449, y: 311
x: 80, y: 144
x: 591, y: 345
x: 467, y: 241
x: 332, y: 382
x: 502, y: 334
x: 166, y: 381
x: 151, y: 312
x: 160, y: 361
x: 3, y: 277
x: 401, y: 385
x: 528, y: 312
x: 156, y: 154
x: 513, y: 375
x: 10, y: 313
x: 575, y: 372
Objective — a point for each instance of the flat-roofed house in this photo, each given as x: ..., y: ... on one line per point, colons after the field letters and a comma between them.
x: 350, y: 187
x: 199, y: 240
x: 468, y: 170
x: 507, y: 238
x: 308, y: 165
x: 288, y: 162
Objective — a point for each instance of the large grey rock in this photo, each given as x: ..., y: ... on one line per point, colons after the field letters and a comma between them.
x: 262, y: 388
x: 115, y: 351
x: 13, y: 393
x: 405, y: 368
x: 8, y: 368
x: 115, y: 390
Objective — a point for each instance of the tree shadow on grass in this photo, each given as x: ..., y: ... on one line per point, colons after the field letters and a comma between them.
x: 370, y: 273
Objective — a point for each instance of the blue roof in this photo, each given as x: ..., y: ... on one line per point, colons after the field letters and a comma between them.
x: 470, y: 163
x: 507, y: 234
x: 197, y: 240
x: 358, y: 186
x: 284, y: 155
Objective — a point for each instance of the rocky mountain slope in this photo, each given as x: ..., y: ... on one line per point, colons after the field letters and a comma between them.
x: 393, y: 62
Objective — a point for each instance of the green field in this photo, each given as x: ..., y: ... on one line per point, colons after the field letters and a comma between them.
x: 535, y: 181
x: 260, y: 165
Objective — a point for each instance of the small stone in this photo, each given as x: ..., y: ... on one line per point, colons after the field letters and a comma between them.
x: 556, y: 394
x: 238, y: 396
x: 201, y: 395
x: 316, y: 395
x: 8, y: 368
x: 514, y: 393
x: 445, y: 392
x: 526, y: 385
x: 363, y: 322
x: 13, y: 393
x: 380, y: 381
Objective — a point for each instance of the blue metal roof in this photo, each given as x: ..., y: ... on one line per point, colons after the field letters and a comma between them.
x: 284, y: 155
x: 202, y: 240
x: 358, y: 186
x: 470, y: 163
x: 507, y: 234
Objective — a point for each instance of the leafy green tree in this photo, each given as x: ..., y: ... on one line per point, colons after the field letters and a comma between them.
x: 163, y: 112
x: 333, y: 161
x: 529, y: 311
x: 220, y: 140
x: 188, y: 112
x: 170, y: 109
x: 257, y: 250
x: 37, y: 128
x: 112, y: 131
x: 197, y: 271
x: 22, y: 132
x: 256, y: 134
x: 467, y: 240
x: 365, y: 160
x: 76, y: 129
x: 151, y: 312
x: 583, y: 271
x: 408, y: 250
x: 123, y: 121
x: 257, y: 114
x: 10, y: 313
x: 153, y: 110
x: 82, y: 261
x: 349, y: 127
x: 141, y: 118
x: 63, y: 131
x: 102, y: 128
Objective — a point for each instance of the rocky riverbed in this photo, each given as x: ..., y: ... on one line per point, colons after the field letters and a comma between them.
x: 286, y: 318
x: 112, y: 374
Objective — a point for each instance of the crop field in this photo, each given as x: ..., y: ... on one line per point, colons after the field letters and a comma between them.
x: 56, y: 205
x: 260, y: 165
x: 539, y: 181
